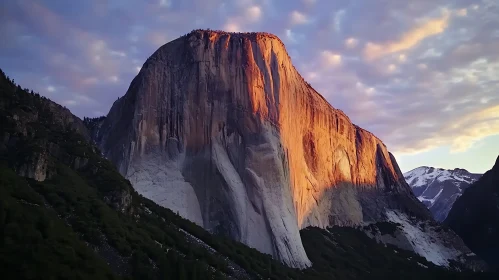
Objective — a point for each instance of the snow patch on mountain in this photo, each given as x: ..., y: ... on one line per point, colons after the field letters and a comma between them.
x: 423, y: 242
x: 431, y: 200
x: 439, y: 188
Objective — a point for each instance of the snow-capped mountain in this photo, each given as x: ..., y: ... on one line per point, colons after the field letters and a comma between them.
x: 439, y: 188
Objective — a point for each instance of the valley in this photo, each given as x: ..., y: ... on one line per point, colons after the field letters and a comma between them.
x: 222, y: 162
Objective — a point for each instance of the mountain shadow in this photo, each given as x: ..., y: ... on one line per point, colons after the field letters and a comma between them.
x: 475, y: 216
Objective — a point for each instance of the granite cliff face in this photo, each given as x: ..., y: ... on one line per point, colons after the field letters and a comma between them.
x: 221, y: 128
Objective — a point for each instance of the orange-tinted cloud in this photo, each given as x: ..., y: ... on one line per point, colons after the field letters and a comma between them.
x: 475, y: 126
x: 351, y: 42
x: 331, y: 58
x: 408, y: 40
x: 298, y: 17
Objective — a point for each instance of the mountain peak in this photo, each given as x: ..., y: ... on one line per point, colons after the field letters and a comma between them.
x: 249, y: 35
x: 221, y: 128
x: 438, y: 188
x: 207, y: 36
x: 248, y: 52
x: 431, y: 169
x: 461, y: 170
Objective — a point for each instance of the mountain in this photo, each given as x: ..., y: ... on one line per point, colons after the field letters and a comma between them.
x: 475, y: 216
x: 222, y: 129
x: 66, y: 213
x: 338, y: 249
x: 439, y: 188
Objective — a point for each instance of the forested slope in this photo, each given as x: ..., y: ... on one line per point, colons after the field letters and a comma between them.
x: 66, y: 213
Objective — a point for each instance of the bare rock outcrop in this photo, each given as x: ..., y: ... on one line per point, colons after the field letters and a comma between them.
x: 26, y: 118
x: 221, y: 128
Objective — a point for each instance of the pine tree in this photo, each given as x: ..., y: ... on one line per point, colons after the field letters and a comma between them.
x: 219, y: 275
x: 182, y: 275
x: 197, y: 271
x: 165, y: 270
x: 270, y: 266
x: 3, y: 218
x: 190, y: 255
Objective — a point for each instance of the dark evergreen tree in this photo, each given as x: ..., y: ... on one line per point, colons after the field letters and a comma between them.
x: 181, y: 271
x: 219, y: 275
x: 165, y: 270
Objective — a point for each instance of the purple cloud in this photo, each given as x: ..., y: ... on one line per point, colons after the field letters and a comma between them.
x: 419, y: 75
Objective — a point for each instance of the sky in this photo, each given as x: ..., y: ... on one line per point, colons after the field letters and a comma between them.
x: 421, y: 75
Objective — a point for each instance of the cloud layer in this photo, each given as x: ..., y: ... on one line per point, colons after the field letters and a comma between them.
x: 419, y: 75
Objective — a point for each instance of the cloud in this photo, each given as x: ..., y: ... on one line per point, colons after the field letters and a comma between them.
x: 231, y: 26
x: 462, y: 12
x: 165, y: 3
x: 408, y: 73
x: 409, y: 39
x: 78, y: 99
x: 254, y: 13
x: 402, y: 58
x: 84, y: 99
x: 461, y: 134
x: 114, y: 79
x: 331, y: 58
x: 422, y: 66
x: 244, y: 18
x: 90, y: 81
x: 411, y: 98
x: 449, y: 110
x: 118, y: 53
x: 477, y: 125
x: 157, y: 39
x: 351, y: 42
x: 69, y: 103
x: 297, y: 17
x: 338, y: 18
x: 292, y: 38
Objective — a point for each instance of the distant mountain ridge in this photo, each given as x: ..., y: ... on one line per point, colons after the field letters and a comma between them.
x: 439, y: 188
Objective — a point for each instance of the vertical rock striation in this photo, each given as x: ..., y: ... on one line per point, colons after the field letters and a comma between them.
x: 221, y: 128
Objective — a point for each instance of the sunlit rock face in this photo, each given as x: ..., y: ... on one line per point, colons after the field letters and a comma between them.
x: 221, y: 128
